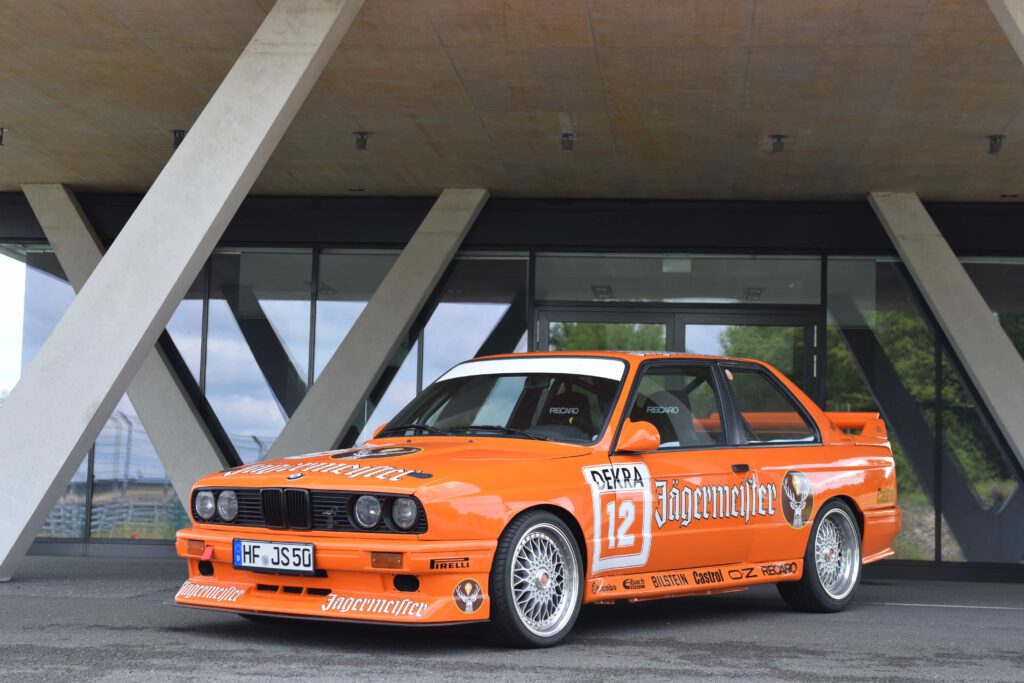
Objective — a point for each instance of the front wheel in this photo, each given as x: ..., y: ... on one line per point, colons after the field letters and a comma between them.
x: 535, y: 581
x: 832, y: 563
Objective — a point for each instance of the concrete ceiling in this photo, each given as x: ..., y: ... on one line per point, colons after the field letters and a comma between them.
x: 667, y: 98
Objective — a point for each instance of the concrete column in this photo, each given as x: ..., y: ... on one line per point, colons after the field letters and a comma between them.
x: 1010, y: 15
x: 69, y: 390
x: 357, y: 365
x: 186, y: 448
x: 992, y: 363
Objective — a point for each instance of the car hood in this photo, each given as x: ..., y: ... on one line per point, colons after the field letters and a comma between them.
x: 395, y: 465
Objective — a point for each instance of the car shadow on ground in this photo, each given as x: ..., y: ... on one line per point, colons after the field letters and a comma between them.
x: 595, y: 621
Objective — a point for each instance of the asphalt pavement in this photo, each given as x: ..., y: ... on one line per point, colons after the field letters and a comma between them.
x: 74, y: 619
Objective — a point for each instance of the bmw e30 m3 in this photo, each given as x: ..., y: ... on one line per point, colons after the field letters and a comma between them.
x: 516, y: 488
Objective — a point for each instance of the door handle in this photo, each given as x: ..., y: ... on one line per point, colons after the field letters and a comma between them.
x: 741, y: 468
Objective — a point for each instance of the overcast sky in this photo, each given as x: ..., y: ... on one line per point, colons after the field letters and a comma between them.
x: 12, y: 305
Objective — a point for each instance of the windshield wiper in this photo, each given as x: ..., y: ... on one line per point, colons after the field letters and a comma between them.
x: 504, y: 430
x: 417, y: 427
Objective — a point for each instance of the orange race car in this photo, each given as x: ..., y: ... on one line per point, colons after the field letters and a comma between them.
x: 516, y: 488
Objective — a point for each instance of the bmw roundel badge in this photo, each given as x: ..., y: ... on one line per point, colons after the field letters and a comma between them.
x: 293, y: 477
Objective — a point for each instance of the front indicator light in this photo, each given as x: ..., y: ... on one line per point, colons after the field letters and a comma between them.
x: 404, y: 512
x: 386, y: 560
x: 227, y: 506
x: 367, y: 512
x: 195, y: 547
x: 205, y: 505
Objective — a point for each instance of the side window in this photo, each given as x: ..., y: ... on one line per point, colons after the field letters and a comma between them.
x: 767, y: 415
x: 680, y: 401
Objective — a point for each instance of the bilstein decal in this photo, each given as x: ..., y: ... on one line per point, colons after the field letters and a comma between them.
x: 396, y: 608
x: 798, y: 508
x: 217, y: 593
x: 669, y: 580
x: 686, y: 504
x: 350, y: 470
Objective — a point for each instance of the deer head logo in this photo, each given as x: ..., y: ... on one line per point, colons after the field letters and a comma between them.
x: 468, y: 596
x: 799, y: 498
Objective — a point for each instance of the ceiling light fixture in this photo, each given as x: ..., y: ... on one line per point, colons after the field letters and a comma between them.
x: 778, y: 143
x: 361, y: 137
x: 177, y: 136
x: 568, y: 139
x: 995, y: 143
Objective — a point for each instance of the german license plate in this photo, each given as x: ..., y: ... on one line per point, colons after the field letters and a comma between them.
x: 272, y: 556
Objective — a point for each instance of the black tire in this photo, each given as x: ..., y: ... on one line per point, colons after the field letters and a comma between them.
x: 810, y: 594
x: 507, y: 622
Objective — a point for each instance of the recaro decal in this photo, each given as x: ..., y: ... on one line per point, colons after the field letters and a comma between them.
x: 779, y: 569
x: 563, y: 410
x: 620, y: 494
x: 662, y: 410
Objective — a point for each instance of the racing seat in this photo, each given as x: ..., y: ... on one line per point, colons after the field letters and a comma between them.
x: 568, y: 413
x: 673, y: 419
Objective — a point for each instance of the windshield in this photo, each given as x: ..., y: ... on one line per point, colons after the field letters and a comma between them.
x: 519, y: 403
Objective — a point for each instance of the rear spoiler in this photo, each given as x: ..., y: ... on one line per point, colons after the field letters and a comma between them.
x: 868, y: 425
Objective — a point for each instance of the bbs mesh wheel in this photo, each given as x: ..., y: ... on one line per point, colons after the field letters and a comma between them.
x: 535, y: 581
x: 832, y: 563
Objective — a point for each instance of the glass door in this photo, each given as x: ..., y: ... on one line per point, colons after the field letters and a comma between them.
x: 603, y: 330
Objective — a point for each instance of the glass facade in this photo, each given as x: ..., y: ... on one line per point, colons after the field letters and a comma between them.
x: 259, y: 325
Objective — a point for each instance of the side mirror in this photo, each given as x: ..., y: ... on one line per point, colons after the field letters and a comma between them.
x: 637, y: 437
x: 378, y: 430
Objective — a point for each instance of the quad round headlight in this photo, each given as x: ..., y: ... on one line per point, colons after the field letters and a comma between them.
x: 404, y: 512
x: 227, y: 506
x: 206, y: 505
x: 367, y: 511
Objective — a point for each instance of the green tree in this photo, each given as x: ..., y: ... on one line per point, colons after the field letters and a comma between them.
x: 606, y: 337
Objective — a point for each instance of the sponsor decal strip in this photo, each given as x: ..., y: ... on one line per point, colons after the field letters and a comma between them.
x: 347, y: 469
x: 656, y: 584
x: 396, y: 608
x: 206, y: 592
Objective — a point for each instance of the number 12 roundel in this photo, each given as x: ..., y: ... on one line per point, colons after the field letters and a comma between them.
x: 622, y: 515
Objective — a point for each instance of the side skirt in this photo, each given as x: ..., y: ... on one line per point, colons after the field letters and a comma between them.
x: 698, y: 581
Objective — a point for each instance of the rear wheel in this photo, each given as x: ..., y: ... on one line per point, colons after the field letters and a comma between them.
x: 535, y: 581
x: 832, y: 563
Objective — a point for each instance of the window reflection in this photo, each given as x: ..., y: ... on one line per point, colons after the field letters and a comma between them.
x: 257, y: 343
x: 482, y: 311
x: 347, y: 281
x: 679, y: 278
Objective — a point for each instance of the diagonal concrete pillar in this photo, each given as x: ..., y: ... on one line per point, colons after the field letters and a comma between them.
x: 185, y: 446
x: 357, y: 365
x: 69, y: 390
x: 988, y: 356
x: 1010, y: 15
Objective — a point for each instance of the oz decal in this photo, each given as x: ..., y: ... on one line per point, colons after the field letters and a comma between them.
x: 622, y: 515
x: 798, y: 508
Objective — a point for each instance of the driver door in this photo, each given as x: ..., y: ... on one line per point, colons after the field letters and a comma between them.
x: 698, y: 502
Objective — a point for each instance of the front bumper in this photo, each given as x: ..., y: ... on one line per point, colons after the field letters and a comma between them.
x: 348, y: 586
